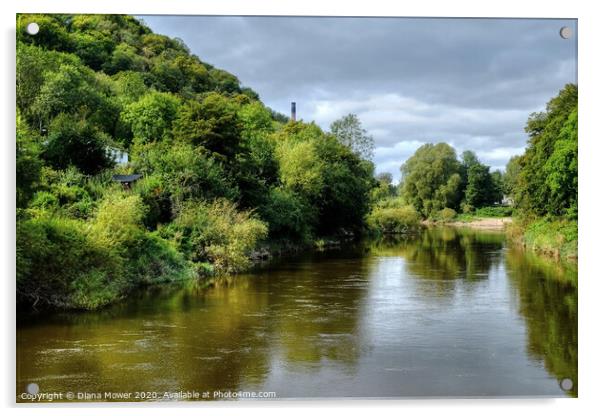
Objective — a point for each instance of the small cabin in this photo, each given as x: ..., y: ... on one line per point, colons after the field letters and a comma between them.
x: 126, y: 180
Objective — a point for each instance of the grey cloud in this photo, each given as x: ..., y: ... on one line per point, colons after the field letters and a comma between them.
x: 470, y: 82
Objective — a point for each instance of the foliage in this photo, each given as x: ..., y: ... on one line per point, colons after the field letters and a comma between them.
x: 494, y: 212
x: 431, y: 178
x: 543, y: 182
x: 384, y: 188
x: 348, y: 181
x: 349, y: 131
x: 287, y: 215
x: 511, y: 176
x: 28, y: 163
x: 550, y: 236
x: 325, y: 174
x: 562, y: 169
x: 216, y: 232
x: 393, y: 220
x: 84, y: 275
x: 301, y: 169
x: 481, y: 187
x: 220, y: 171
x: 547, y: 182
x: 183, y: 172
x: 444, y: 215
x: 73, y: 142
x: 151, y: 117
x: 212, y: 123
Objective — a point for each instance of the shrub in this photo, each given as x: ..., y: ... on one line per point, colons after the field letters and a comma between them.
x: 497, y: 211
x: 466, y: 208
x: 184, y: 171
x: 59, y: 266
x: 216, y: 232
x: 147, y: 257
x: 393, y: 220
x: 44, y: 201
x: 156, y: 198
x: 551, y: 236
x: 445, y: 215
x: 288, y: 215
x: 75, y: 142
x: 119, y: 219
x: 151, y: 117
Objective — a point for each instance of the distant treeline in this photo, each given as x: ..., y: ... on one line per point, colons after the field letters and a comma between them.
x: 221, y: 172
x: 540, y: 185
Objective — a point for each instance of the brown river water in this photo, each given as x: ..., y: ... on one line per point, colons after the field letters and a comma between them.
x: 446, y: 313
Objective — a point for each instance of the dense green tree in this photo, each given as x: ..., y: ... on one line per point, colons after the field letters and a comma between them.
x: 431, y: 178
x: 349, y: 131
x: 212, y: 123
x: 28, y: 163
x: 129, y: 86
x: 497, y: 189
x: 481, y: 188
x: 93, y: 47
x: 73, y: 142
x: 384, y: 187
x: 152, y: 116
x: 32, y: 63
x: 348, y: 180
x: 184, y: 172
x: 124, y: 57
x: 326, y: 174
x: 511, y: 177
x: 288, y: 215
x: 71, y: 89
x: 478, y: 186
x: 561, y: 168
x: 256, y: 168
x: 223, y: 81
x: 547, y: 181
x: 301, y: 169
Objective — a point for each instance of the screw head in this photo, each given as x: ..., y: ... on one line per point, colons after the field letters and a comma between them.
x: 33, y: 388
x: 566, y: 32
x: 33, y: 28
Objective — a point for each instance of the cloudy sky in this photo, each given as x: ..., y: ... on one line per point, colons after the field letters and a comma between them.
x: 469, y: 82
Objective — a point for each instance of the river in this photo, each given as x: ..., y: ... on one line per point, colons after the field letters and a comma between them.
x: 448, y: 312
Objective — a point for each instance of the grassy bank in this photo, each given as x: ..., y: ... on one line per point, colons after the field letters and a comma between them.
x: 554, y: 237
x: 485, y: 212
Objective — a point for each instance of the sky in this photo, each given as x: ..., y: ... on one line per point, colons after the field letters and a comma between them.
x: 471, y: 83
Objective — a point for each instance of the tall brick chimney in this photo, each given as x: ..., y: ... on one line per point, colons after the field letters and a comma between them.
x: 294, y: 111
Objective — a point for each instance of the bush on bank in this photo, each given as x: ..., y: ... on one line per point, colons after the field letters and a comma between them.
x: 551, y: 236
x: 393, y: 219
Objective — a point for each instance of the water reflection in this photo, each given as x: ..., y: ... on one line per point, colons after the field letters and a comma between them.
x: 445, y: 252
x: 446, y: 312
x: 547, y: 294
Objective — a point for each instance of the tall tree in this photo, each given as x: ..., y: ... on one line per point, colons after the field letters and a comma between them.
x: 511, y: 177
x: 548, y: 178
x: 481, y: 188
x: 212, y: 123
x: 431, y: 178
x: 349, y: 131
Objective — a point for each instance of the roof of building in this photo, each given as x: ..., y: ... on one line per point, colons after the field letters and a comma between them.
x: 127, y: 178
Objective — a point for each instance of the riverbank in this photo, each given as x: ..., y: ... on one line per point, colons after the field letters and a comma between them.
x: 555, y: 237
x: 497, y: 224
x: 484, y: 223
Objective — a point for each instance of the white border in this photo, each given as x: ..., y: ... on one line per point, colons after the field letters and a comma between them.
x: 590, y: 150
